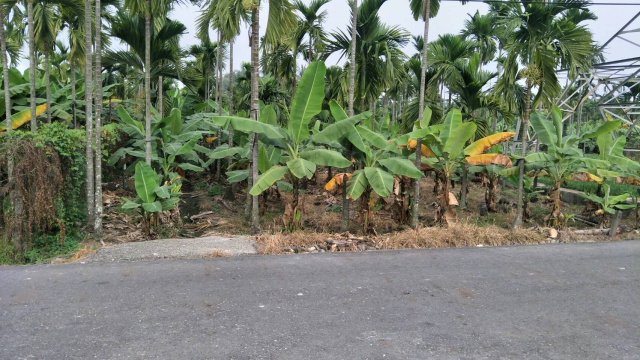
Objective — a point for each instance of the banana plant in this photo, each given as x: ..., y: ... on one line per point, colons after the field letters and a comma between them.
x: 174, y: 142
x: 561, y: 158
x: 445, y: 152
x: 530, y: 193
x: 380, y: 166
x: 299, y: 153
x: 153, y: 197
x: 609, y: 204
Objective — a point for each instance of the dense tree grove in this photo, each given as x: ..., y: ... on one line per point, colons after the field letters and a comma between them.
x: 397, y: 108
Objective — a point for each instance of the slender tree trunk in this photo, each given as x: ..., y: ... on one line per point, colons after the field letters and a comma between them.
x: 5, y: 76
x: 206, y: 85
x: 230, y: 140
x: 517, y: 222
x: 15, y: 202
x: 88, y: 11
x: 310, y: 51
x: 32, y: 66
x: 72, y: 69
x: 294, y: 79
x: 352, y: 54
x: 47, y: 77
x: 147, y: 82
x: 97, y: 225
x: 255, y: 67
x: 373, y: 115
x: 415, y: 208
x: 160, y: 97
x: 346, y: 203
x: 219, y: 87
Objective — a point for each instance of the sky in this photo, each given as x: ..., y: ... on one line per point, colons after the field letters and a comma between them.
x: 450, y: 19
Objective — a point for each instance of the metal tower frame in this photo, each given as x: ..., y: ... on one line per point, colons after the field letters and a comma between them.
x: 605, y: 82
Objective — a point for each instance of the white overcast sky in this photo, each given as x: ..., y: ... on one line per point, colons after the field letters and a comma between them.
x: 450, y: 19
x: 396, y: 12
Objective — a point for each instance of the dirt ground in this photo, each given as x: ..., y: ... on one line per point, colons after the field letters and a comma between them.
x: 206, y: 211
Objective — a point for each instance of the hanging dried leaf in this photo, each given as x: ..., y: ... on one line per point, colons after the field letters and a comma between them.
x: 486, y: 143
x: 487, y: 159
x: 424, y: 150
x: 587, y: 177
x: 337, y: 180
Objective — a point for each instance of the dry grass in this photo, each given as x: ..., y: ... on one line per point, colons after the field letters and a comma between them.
x: 279, y: 243
x: 462, y: 234
x: 216, y: 253
x: 83, y: 252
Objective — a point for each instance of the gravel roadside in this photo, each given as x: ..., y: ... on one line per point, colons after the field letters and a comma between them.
x: 175, y: 249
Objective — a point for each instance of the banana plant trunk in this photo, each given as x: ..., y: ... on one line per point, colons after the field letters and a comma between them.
x: 555, y: 216
x: 446, y: 210
x: 366, y: 211
x: 490, y: 195
x: 517, y: 222
x: 147, y: 82
x: 463, y: 187
x: 97, y: 226
x: 32, y: 66
x: 415, y: 208
x: 47, y: 79
x: 89, y: 115
x: 255, y: 66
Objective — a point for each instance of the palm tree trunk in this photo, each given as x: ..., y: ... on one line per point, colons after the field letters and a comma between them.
x: 219, y: 87
x: 72, y: 69
x: 346, y: 203
x: 294, y: 79
x: 147, y: 82
x: 255, y: 66
x: 32, y: 65
x: 229, y: 160
x: 5, y: 76
x: 15, y: 202
x: 517, y: 222
x: 47, y: 77
x: 97, y: 225
x: 89, y: 115
x: 160, y: 96
x: 415, y: 207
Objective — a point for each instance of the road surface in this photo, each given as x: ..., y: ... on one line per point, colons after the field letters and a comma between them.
x: 573, y: 301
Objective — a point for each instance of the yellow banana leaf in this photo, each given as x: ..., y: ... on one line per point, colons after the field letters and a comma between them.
x: 487, y: 159
x: 486, y: 143
x: 423, y: 148
x: 585, y: 176
x: 337, y: 180
x: 23, y: 117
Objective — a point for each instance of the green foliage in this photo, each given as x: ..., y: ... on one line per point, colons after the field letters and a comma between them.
x: 610, y: 203
x: 216, y: 190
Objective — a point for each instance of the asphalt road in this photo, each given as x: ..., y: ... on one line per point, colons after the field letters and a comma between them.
x: 577, y: 301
